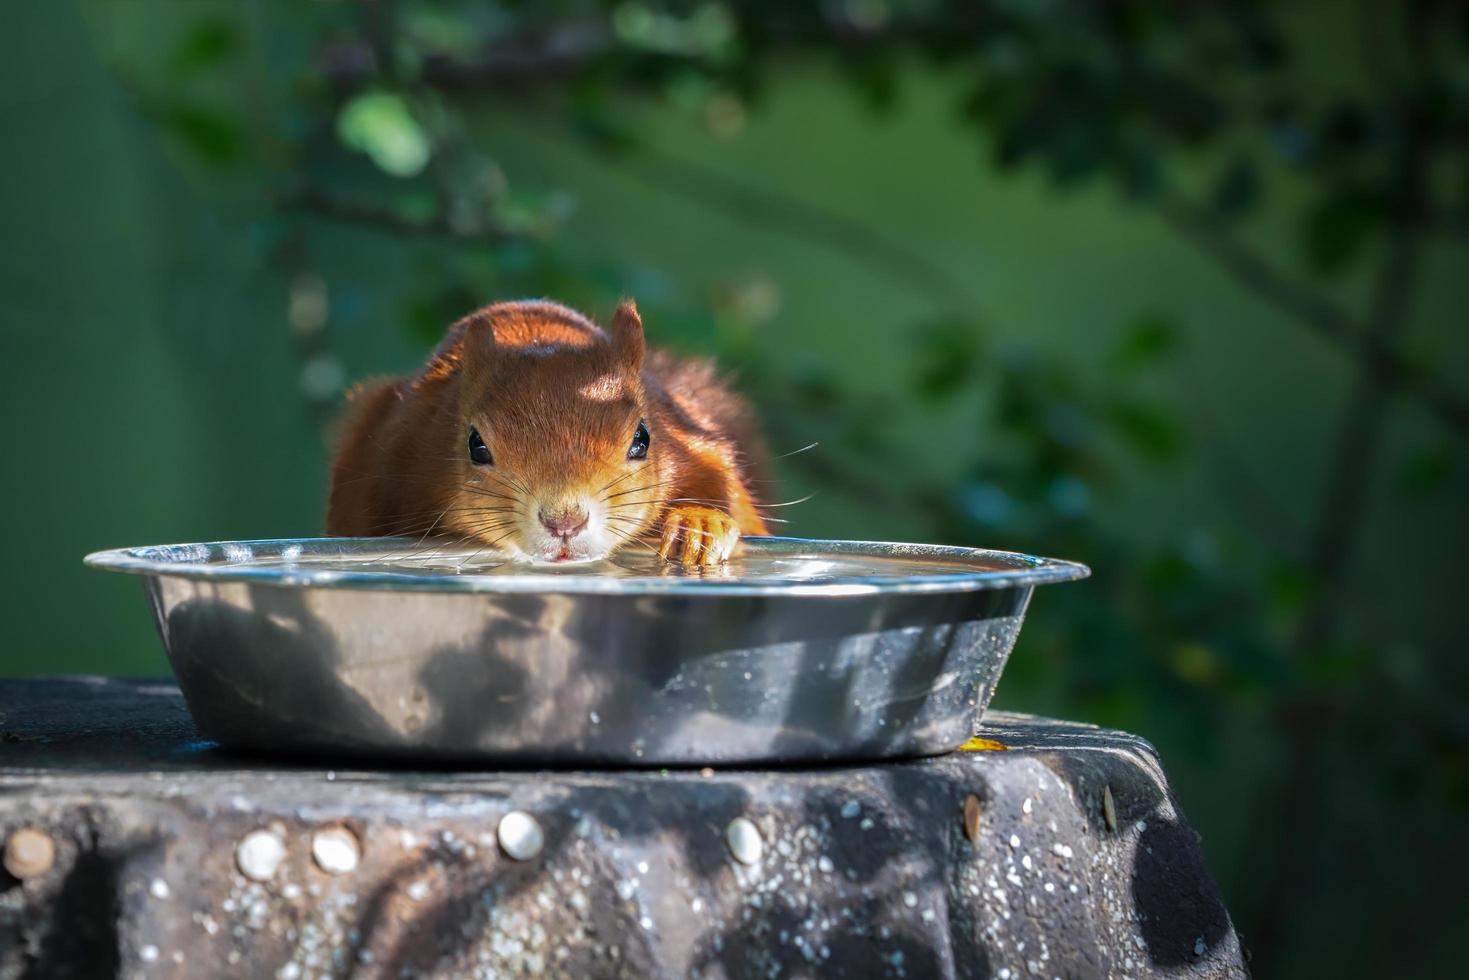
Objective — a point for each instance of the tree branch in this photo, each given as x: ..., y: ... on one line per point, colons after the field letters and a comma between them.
x: 773, y: 210
x: 1338, y: 526
x: 1380, y: 356
x: 1339, y: 521
x: 315, y: 202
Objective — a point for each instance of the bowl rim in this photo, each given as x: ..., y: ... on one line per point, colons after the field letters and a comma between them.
x: 231, y: 561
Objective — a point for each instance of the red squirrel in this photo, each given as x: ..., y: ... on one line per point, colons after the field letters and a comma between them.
x: 532, y: 431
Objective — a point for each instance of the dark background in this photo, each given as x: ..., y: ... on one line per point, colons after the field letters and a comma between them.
x: 1175, y: 289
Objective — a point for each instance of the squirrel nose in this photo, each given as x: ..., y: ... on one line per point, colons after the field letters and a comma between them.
x: 564, y: 523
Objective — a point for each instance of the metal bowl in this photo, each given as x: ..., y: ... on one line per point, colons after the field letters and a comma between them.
x: 796, y: 650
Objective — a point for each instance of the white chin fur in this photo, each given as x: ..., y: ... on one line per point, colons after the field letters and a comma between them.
x: 537, y: 546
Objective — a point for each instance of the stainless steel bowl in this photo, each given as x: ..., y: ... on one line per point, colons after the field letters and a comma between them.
x: 796, y: 650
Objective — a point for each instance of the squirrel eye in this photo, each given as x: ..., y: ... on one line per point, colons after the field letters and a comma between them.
x: 639, y: 447
x: 479, y: 453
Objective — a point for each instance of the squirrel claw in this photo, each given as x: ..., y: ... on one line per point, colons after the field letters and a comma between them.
x: 698, y: 536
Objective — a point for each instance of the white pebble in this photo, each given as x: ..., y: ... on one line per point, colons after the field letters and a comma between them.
x: 148, y: 953
x: 743, y: 838
x: 335, y: 850
x: 520, y: 835
x: 418, y: 891
x: 910, y: 900
x: 1014, y: 841
x: 260, y: 854
x: 158, y: 888
x: 1062, y: 850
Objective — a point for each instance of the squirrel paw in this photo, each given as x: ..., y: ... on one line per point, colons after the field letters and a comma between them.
x: 698, y: 536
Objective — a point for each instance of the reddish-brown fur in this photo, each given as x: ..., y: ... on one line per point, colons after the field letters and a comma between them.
x: 557, y: 401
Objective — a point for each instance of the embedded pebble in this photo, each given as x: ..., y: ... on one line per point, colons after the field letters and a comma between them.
x: 1199, y: 946
x: 418, y: 891
x: 910, y: 900
x: 824, y: 864
x: 973, y: 815
x: 158, y: 888
x: 1109, y: 808
x: 520, y: 835
x: 335, y: 850
x: 148, y: 953
x: 743, y: 838
x: 851, y: 809
x: 1062, y: 850
x: 29, y: 852
x: 259, y: 854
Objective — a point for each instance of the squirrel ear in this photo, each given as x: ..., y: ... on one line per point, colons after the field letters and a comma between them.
x: 479, y: 330
x: 627, y: 334
x: 468, y: 339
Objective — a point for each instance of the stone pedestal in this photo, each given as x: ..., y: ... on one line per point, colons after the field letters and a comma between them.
x: 1049, y: 850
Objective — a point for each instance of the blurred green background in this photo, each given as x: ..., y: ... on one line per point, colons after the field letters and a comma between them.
x: 1174, y: 289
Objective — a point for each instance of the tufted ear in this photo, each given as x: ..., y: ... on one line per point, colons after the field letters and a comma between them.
x: 627, y: 335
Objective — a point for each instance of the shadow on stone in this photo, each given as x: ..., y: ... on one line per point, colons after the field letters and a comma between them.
x: 1177, y: 901
x: 83, y: 941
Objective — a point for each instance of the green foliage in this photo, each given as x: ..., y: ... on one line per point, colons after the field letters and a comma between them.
x: 205, y: 46
x: 949, y: 354
x: 211, y: 136
x: 381, y: 125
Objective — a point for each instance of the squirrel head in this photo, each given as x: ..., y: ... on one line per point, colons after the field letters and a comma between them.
x: 557, y: 457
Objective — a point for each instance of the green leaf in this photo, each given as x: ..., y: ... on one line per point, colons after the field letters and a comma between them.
x: 205, y: 45
x: 1426, y: 470
x: 212, y: 135
x: 1151, y: 432
x: 1146, y: 341
x: 381, y: 125
x: 1338, y: 226
x: 1287, y: 588
x: 948, y: 355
